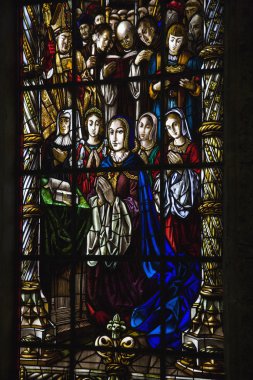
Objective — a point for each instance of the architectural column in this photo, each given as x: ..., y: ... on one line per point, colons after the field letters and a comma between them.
x: 206, y: 333
x: 36, y: 326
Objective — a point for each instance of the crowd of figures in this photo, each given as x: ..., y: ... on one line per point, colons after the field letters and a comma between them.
x: 125, y: 206
x: 120, y: 45
x: 119, y: 127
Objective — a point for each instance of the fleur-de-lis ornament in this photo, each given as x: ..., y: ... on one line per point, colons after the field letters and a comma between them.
x: 116, y: 361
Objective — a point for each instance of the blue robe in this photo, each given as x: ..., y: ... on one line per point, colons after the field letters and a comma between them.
x: 132, y: 162
x: 182, y: 277
x: 181, y: 280
x: 192, y: 104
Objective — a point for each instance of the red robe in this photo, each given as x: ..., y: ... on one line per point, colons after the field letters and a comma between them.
x: 184, y: 233
x: 86, y: 180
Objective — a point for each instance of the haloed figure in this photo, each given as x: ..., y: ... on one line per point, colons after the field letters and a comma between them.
x: 91, y: 151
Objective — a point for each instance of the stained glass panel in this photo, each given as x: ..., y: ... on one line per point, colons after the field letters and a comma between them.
x: 47, y: 43
x: 121, y: 183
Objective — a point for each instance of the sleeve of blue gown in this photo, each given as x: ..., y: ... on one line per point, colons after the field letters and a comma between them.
x: 194, y: 63
x: 192, y: 105
x: 152, y: 65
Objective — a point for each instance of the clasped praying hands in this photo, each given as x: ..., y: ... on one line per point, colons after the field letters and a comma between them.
x: 104, y: 191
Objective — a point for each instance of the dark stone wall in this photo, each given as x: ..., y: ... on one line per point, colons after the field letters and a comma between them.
x: 8, y: 189
x: 238, y: 190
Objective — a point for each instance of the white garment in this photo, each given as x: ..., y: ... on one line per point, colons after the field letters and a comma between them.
x: 110, y: 91
x: 49, y: 74
x: 111, y: 230
x: 180, y: 191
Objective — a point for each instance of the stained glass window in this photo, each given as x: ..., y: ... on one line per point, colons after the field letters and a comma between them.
x: 121, y: 189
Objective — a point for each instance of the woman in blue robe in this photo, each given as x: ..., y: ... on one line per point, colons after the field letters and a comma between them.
x: 116, y: 286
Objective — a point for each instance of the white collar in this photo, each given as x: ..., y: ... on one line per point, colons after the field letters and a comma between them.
x: 119, y: 159
x: 63, y: 140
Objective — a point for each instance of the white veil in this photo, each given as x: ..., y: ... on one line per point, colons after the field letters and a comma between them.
x: 66, y: 140
x: 153, y: 133
x: 184, y: 125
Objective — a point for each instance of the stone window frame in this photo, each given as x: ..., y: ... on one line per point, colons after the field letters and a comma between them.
x: 238, y: 255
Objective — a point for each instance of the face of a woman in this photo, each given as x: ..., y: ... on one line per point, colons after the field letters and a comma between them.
x: 116, y: 135
x: 93, y: 125
x: 64, y: 125
x: 173, y: 126
x: 144, y: 129
x: 174, y: 43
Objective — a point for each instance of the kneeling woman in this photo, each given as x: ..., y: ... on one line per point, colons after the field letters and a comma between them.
x: 116, y: 286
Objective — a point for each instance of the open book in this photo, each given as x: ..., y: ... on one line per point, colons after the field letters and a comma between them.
x: 61, y: 191
x: 123, y: 64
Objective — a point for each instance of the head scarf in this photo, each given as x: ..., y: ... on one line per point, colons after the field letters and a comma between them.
x: 66, y: 140
x: 153, y: 132
x: 184, y: 125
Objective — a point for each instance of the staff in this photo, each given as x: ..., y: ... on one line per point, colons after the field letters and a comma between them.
x: 155, y: 8
x: 47, y: 16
